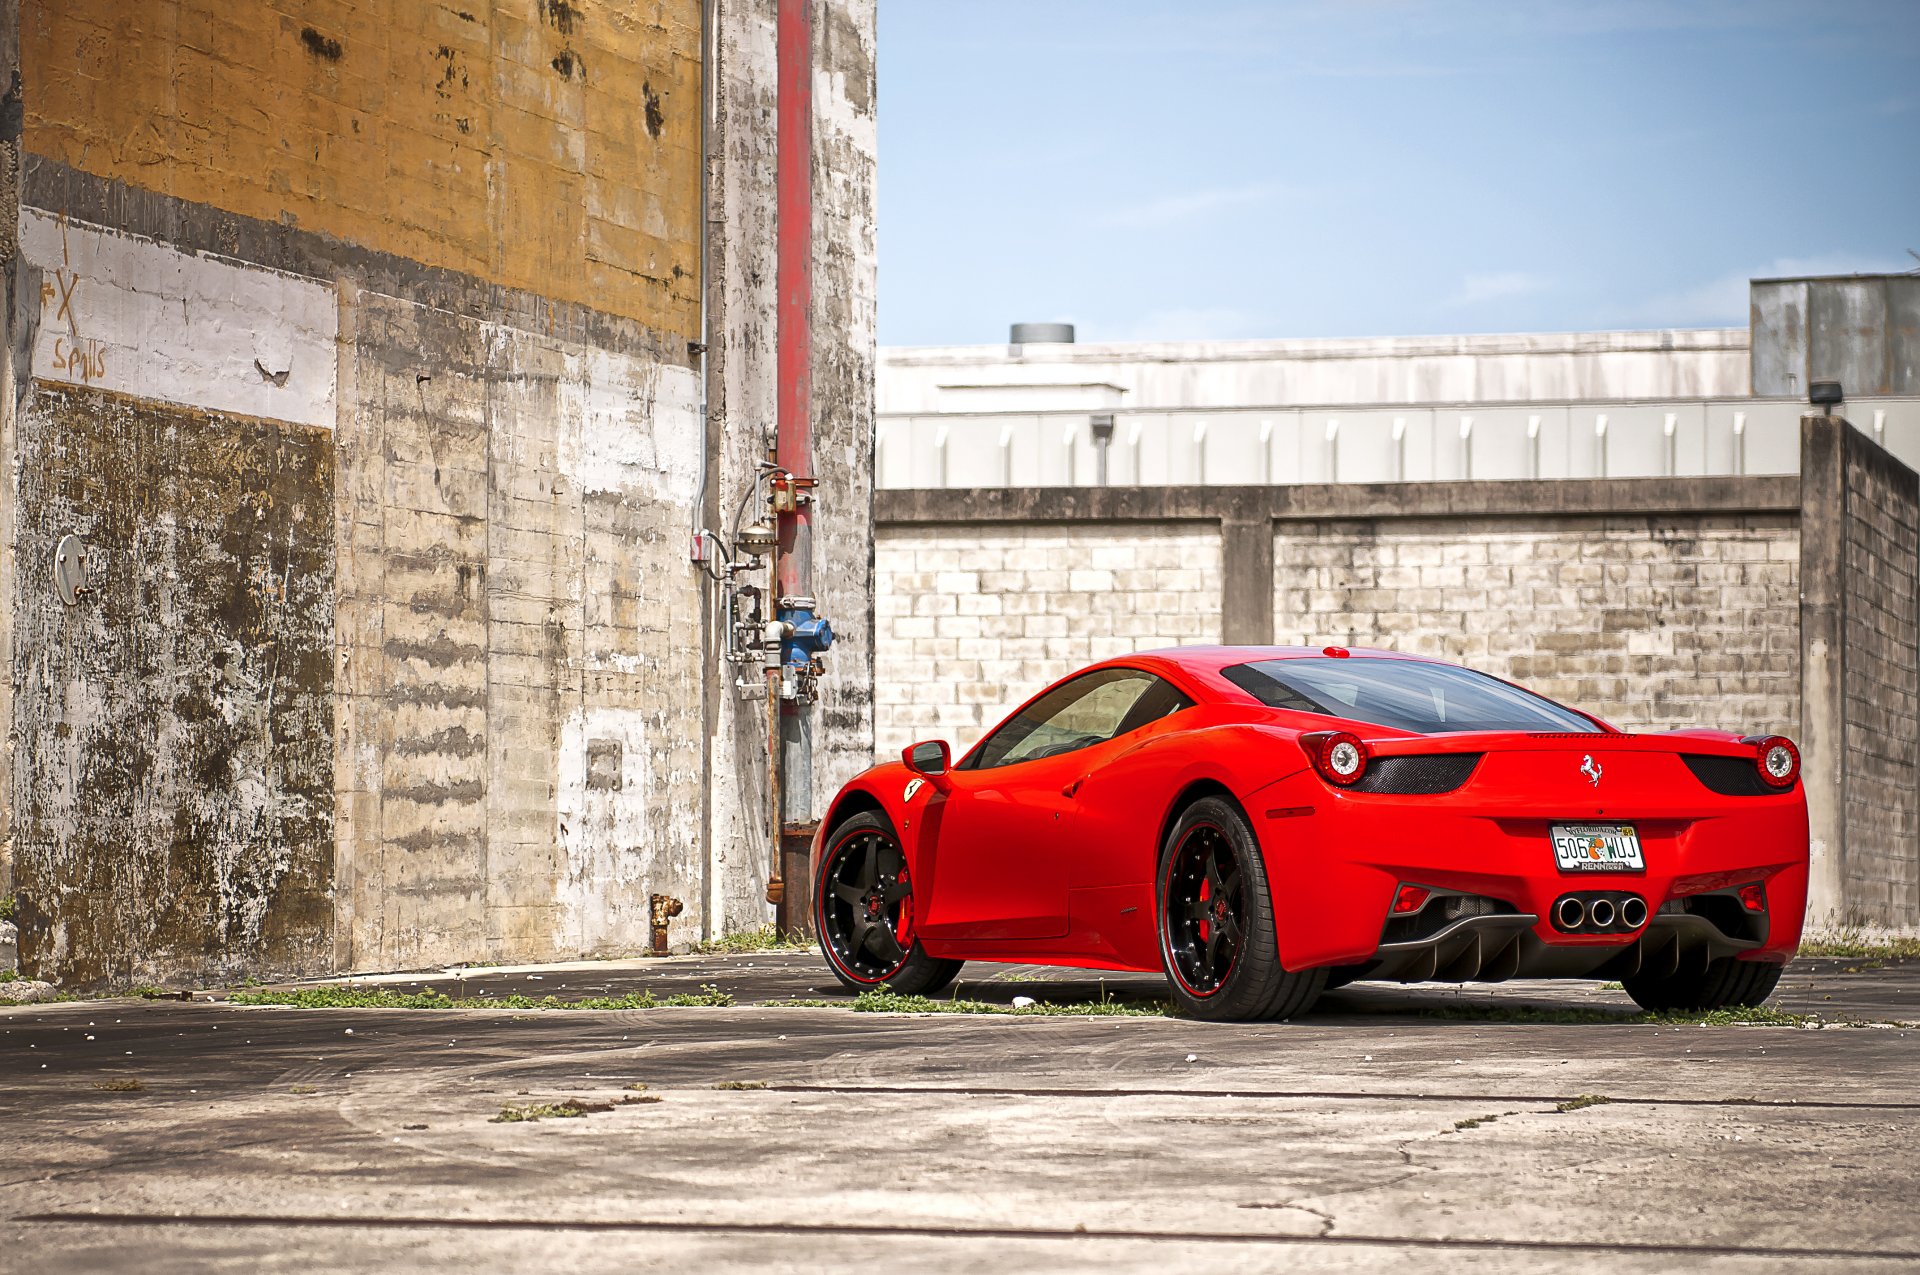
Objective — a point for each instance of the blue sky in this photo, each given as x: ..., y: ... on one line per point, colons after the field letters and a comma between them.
x: 1217, y: 170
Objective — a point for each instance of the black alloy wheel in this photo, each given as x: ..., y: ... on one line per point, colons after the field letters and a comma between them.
x: 1217, y: 935
x: 863, y: 912
x: 1206, y: 897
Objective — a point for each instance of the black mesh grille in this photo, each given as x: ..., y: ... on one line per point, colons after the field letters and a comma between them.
x: 1418, y: 776
x: 1728, y: 776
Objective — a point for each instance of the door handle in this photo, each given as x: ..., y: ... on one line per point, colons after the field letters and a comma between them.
x: 1073, y: 787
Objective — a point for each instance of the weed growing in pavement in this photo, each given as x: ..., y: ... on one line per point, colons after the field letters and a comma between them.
x: 381, y: 998
x: 708, y: 994
x: 9, y: 976
x: 121, y: 1084
x: 765, y: 938
x: 565, y: 1109
x: 1854, y: 943
x: 304, y: 1089
x: 8, y: 907
x: 1584, y: 1100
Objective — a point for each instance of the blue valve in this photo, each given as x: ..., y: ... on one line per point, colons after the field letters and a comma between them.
x: 810, y: 636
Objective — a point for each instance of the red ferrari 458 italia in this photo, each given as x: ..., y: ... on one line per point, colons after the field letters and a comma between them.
x: 1262, y: 823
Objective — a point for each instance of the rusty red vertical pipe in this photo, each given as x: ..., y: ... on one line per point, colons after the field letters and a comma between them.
x: 793, y: 279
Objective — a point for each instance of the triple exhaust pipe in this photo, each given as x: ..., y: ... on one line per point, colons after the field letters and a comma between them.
x: 1596, y: 912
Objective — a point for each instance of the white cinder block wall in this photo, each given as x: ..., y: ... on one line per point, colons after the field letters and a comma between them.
x: 971, y: 621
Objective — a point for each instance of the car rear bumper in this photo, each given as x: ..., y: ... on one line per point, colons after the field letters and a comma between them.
x: 1337, y: 859
x: 1492, y: 949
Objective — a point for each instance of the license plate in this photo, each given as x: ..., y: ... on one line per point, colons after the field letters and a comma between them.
x: 1597, y: 847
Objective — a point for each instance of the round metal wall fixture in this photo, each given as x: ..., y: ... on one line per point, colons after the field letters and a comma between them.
x: 70, y: 569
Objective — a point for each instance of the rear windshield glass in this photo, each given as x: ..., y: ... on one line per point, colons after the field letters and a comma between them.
x: 1404, y: 694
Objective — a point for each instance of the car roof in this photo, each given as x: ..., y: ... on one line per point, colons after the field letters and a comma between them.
x: 1199, y: 668
x: 1211, y: 659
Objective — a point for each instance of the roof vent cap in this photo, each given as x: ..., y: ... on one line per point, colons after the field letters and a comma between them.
x: 1042, y: 334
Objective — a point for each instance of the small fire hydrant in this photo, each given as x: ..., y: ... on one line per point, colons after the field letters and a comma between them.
x: 664, y: 908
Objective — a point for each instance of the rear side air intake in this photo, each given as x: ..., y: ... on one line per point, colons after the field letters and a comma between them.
x: 1728, y: 776
x: 1419, y: 776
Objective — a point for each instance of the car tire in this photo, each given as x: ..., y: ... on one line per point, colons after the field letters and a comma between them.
x: 863, y: 912
x: 1725, y: 983
x: 1218, y: 944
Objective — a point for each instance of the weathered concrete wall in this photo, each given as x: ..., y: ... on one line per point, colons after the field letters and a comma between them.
x: 1652, y: 623
x: 547, y: 146
x: 740, y: 389
x: 173, y: 792
x: 974, y: 620
x: 846, y: 315
x: 456, y: 250
x: 1882, y: 686
x: 522, y: 699
x: 1862, y: 678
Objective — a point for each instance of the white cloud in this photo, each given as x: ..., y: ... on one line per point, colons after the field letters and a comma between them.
x: 1498, y: 285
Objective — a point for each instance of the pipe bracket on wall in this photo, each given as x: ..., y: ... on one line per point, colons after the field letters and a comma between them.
x: 70, y: 569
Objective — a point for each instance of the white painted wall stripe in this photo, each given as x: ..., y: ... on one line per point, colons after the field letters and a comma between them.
x: 124, y: 313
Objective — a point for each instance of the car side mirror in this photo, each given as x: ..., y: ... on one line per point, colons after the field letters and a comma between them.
x: 930, y: 759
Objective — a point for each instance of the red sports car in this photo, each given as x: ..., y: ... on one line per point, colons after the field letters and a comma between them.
x: 1261, y: 823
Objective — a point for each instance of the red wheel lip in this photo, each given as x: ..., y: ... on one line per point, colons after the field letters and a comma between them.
x: 1166, y: 952
x: 819, y: 917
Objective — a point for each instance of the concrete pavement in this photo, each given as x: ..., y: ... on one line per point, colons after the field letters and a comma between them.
x: 1371, y: 1132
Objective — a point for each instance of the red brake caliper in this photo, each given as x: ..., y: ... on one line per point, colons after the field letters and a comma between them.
x: 903, y: 925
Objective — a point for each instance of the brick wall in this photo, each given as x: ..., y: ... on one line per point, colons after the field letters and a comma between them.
x: 1881, y: 687
x: 972, y: 620
x: 1652, y: 623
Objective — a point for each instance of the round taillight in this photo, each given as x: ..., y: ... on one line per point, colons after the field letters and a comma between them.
x: 1779, y: 761
x: 1341, y: 758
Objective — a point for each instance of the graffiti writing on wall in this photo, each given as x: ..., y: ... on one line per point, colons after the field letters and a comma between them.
x: 81, y: 358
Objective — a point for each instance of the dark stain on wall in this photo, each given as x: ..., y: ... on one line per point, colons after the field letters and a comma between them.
x: 321, y: 46
x: 174, y: 730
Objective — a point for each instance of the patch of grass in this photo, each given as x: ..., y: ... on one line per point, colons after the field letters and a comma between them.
x: 565, y: 1109
x: 304, y: 1089
x: 1474, y: 1122
x: 1853, y: 944
x: 1584, y: 1100
x: 765, y: 938
x: 344, y: 998
x: 382, y: 998
x: 9, y: 976
x: 1613, y: 987
x: 636, y: 1087
x: 120, y: 1084
x: 708, y: 994
x: 741, y: 1084
x: 9, y: 907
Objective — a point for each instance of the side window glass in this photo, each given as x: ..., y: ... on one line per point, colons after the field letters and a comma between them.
x: 1086, y: 711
